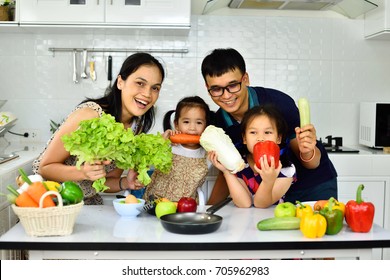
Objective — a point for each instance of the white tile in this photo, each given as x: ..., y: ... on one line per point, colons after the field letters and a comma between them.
x: 324, y: 59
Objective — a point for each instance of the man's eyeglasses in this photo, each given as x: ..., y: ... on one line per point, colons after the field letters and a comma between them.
x: 231, y: 88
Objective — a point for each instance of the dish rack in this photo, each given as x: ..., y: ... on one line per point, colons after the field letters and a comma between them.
x: 50, y: 221
x: 7, y: 120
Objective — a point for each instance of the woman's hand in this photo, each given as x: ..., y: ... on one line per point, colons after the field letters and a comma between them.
x: 95, y: 170
x: 306, y: 138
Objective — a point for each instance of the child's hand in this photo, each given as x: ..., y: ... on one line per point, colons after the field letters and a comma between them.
x: 268, y: 172
x: 132, y: 181
x: 213, y: 157
x: 167, y: 133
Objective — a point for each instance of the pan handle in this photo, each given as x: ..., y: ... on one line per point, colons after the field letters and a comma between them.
x: 216, y: 207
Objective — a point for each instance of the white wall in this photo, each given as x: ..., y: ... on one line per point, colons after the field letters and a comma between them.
x: 324, y: 59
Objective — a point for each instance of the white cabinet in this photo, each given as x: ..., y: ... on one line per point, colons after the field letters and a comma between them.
x: 377, y: 21
x: 61, y: 11
x: 371, y: 170
x: 374, y: 191
x: 150, y: 13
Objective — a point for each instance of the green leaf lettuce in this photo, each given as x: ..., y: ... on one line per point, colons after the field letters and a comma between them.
x: 105, y: 139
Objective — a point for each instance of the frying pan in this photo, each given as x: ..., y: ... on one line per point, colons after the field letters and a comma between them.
x: 194, y: 223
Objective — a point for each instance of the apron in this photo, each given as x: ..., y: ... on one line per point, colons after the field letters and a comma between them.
x: 186, y: 175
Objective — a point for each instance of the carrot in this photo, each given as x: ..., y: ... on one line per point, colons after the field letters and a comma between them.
x: 23, y: 199
x: 319, y: 205
x: 183, y: 138
x: 36, y: 190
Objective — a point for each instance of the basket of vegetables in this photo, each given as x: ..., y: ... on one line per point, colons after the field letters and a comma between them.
x: 47, y: 209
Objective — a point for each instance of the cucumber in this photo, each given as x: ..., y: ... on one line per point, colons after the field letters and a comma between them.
x: 304, y: 111
x: 279, y: 223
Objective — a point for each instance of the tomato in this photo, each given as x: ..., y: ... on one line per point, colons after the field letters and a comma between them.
x: 268, y: 148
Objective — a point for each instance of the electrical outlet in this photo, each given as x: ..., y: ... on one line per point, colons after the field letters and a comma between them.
x: 34, y: 135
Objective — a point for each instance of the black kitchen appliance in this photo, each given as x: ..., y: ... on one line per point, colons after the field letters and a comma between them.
x: 335, y: 145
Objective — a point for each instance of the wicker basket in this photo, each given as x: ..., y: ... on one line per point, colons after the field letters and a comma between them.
x: 48, y: 221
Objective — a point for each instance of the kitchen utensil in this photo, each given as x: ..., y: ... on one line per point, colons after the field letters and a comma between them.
x: 74, y: 68
x: 109, y: 70
x: 150, y: 205
x: 84, y: 73
x: 194, y: 223
x: 92, y: 72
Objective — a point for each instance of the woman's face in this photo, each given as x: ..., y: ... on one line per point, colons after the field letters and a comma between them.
x: 261, y: 128
x: 140, y: 91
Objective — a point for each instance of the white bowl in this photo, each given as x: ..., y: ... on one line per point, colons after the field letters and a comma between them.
x: 128, y: 210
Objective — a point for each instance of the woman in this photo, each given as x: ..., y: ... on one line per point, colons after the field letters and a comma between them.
x: 131, y: 101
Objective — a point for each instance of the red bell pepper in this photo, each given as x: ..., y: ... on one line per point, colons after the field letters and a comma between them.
x: 359, y: 215
x: 267, y: 148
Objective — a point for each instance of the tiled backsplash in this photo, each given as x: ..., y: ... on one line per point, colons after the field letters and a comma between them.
x: 324, y: 59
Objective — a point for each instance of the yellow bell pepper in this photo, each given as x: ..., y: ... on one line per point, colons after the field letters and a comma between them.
x: 313, y: 226
x: 303, y: 209
x: 338, y: 205
x: 52, y: 186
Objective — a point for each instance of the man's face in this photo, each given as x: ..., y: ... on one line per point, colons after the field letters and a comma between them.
x: 235, y: 101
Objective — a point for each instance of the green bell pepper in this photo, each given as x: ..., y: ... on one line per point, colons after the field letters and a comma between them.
x: 71, y: 192
x: 334, y: 218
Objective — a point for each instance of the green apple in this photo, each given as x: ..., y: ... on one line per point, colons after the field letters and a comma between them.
x: 164, y: 208
x: 285, y: 209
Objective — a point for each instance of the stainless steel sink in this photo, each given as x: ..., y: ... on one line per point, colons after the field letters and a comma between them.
x: 338, y: 149
x: 5, y: 158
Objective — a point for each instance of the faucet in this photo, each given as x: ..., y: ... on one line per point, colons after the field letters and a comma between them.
x: 338, y: 141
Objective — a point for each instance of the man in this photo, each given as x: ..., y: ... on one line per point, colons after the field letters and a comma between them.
x: 227, y: 82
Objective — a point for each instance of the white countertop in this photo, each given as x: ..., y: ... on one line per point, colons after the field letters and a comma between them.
x: 100, y: 228
x: 27, y: 152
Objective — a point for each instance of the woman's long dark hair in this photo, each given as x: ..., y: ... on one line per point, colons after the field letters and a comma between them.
x: 270, y: 111
x: 111, y: 102
x: 187, y: 102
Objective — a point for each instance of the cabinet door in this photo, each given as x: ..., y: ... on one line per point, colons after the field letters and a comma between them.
x: 374, y: 191
x: 149, y: 12
x: 62, y: 11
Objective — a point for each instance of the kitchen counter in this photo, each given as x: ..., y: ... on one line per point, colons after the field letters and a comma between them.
x: 369, y: 167
x: 100, y: 233
x: 27, y: 153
